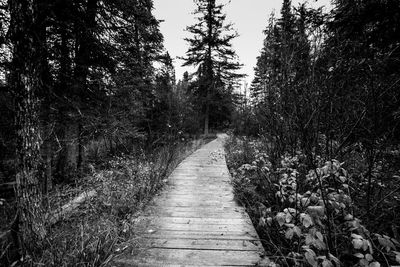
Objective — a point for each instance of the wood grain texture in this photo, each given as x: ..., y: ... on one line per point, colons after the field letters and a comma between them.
x: 195, y: 221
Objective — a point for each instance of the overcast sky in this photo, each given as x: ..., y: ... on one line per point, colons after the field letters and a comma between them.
x: 250, y: 17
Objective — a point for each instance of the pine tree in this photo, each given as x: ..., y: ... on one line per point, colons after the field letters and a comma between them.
x: 140, y: 43
x: 25, y: 83
x: 210, y: 50
x: 265, y: 70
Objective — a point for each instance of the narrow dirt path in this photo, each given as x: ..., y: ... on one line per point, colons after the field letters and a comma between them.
x: 196, y: 221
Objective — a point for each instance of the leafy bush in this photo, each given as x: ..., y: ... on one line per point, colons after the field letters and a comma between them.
x: 304, y: 216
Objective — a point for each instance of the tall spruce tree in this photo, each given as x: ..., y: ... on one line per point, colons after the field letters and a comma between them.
x: 25, y: 83
x: 210, y: 50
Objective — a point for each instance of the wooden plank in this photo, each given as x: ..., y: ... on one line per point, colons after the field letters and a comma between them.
x: 204, y: 190
x: 203, y: 187
x: 195, y: 204
x: 205, y: 228
x: 196, y: 214
x: 201, y: 199
x: 210, y: 195
x: 200, y: 235
x: 205, y: 244
x: 163, y: 257
x: 192, y: 220
x: 222, y: 179
x: 224, y: 201
x: 152, y: 208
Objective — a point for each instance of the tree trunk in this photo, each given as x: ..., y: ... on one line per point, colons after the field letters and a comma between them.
x: 48, y: 155
x: 81, y: 149
x: 45, y: 94
x: 67, y: 165
x: 209, y: 65
x: 25, y: 81
x: 70, y: 164
x: 207, y: 117
x: 82, y: 62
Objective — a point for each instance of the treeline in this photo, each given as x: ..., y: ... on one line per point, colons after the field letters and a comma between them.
x: 84, y: 79
x: 79, y: 80
x: 104, y: 81
x: 324, y: 82
x: 318, y: 166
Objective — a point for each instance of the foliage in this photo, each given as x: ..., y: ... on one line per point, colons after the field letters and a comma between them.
x: 83, y: 80
x: 323, y: 74
x: 325, y: 88
x: 210, y: 51
x: 103, y: 226
x: 103, y: 74
x: 307, y: 216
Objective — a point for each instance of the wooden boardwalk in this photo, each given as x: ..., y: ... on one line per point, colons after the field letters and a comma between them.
x: 195, y: 221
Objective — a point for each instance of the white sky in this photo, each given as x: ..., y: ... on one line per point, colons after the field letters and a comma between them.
x: 250, y: 18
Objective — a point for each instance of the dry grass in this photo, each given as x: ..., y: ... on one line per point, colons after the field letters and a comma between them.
x: 101, y: 228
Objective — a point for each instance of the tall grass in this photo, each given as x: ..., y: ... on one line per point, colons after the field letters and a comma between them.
x: 103, y: 227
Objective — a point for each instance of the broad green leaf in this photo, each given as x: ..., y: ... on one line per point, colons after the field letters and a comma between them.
x: 319, y: 244
x: 375, y: 264
x: 306, y: 220
x: 398, y: 258
x: 357, y: 243
x: 311, y: 258
x: 327, y: 263
x: 359, y: 255
x: 334, y: 259
x: 364, y: 262
x: 317, y: 211
x: 309, y: 239
x: 365, y: 244
x: 356, y: 236
x: 280, y: 218
x: 289, y: 233
x: 305, y: 201
x: 288, y: 217
x: 349, y: 217
x: 297, y: 231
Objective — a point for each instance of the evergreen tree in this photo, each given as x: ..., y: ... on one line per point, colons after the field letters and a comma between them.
x: 282, y: 89
x: 210, y: 50
x: 140, y: 45
x: 25, y: 83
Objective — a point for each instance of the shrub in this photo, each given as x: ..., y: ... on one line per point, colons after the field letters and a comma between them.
x: 305, y: 217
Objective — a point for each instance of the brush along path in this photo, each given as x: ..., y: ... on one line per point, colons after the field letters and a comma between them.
x: 195, y: 221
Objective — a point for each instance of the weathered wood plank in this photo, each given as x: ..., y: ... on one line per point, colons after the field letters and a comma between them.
x: 197, y: 214
x: 189, y: 257
x: 201, y: 235
x: 200, y: 195
x: 192, y: 220
x: 204, y: 244
x: 160, y: 226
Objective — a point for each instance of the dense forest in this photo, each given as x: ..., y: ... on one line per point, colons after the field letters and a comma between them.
x: 316, y: 160
x: 91, y: 109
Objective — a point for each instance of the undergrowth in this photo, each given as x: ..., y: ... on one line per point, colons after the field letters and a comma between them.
x: 101, y: 228
x: 315, y: 216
